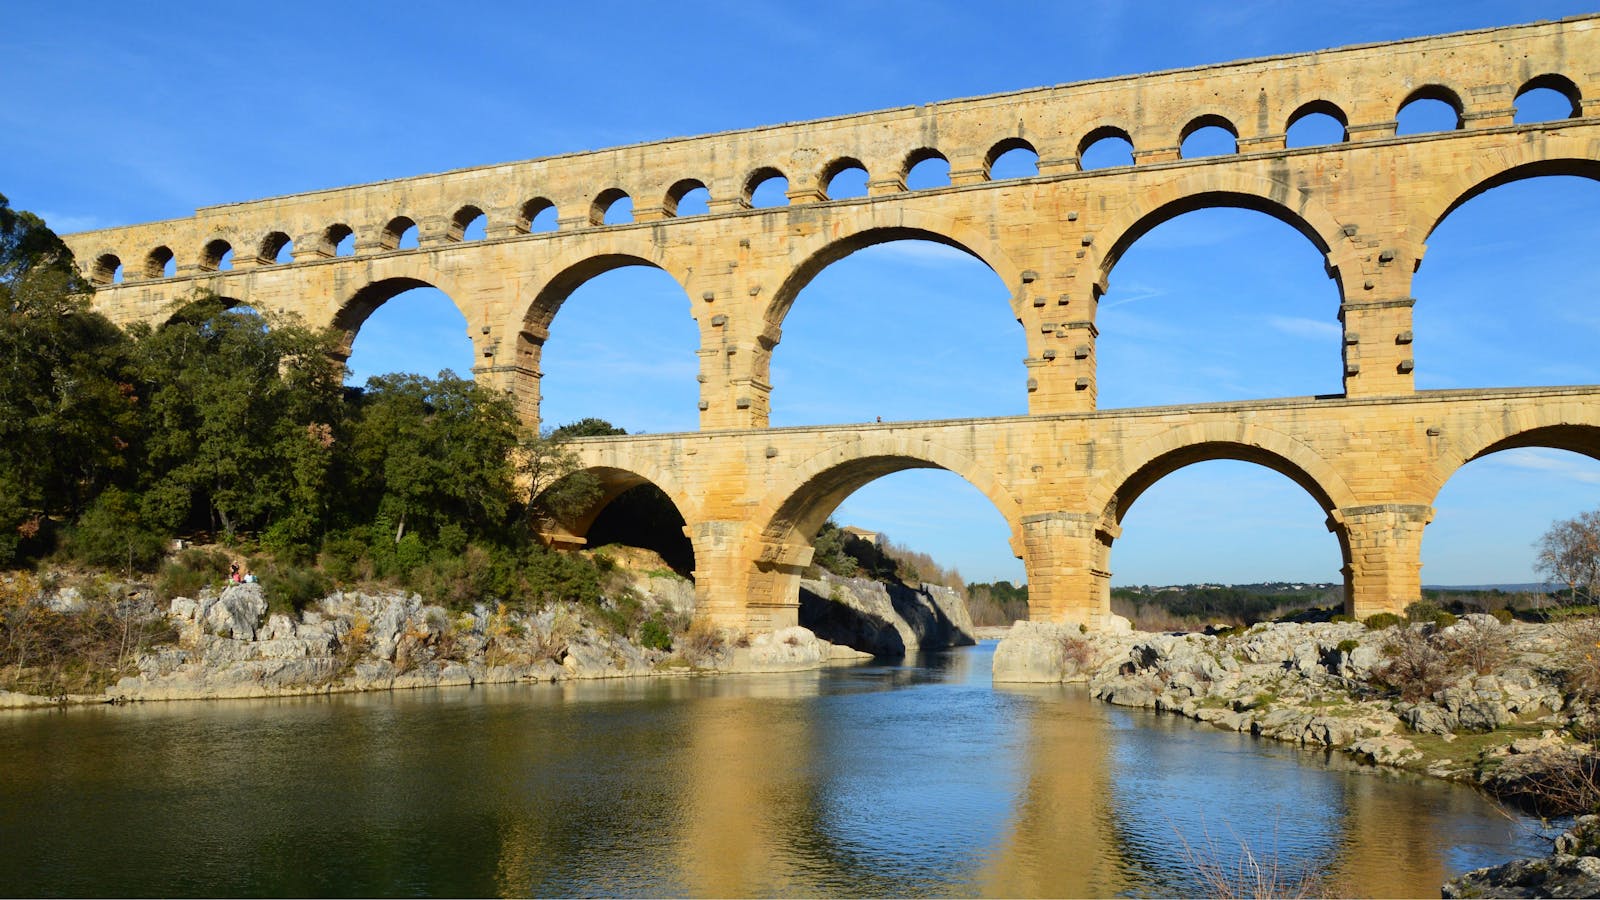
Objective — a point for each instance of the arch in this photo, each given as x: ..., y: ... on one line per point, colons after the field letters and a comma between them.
x: 1010, y: 146
x: 604, y: 203
x: 1211, y: 188
x: 215, y: 255
x: 1535, y: 425
x: 1435, y: 92
x: 365, y: 300
x: 107, y: 269
x: 615, y: 479
x: 916, y: 227
x: 814, y: 488
x: 1199, y: 124
x: 547, y: 302
x: 1312, y: 109
x: 334, y: 237
x: 537, y: 210
x: 1098, y: 138
x: 1561, y: 84
x: 463, y: 220
x: 394, y: 231
x: 917, y: 159
x: 273, y: 246
x: 679, y: 190
x: 1512, y: 164
x: 839, y: 167
x: 1170, y: 451
x: 759, y: 179
x: 157, y: 261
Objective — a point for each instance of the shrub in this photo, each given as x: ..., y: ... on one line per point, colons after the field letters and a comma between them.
x: 1478, y: 646
x: 654, y: 634
x: 1348, y: 645
x: 1076, y: 653
x: 1339, y: 618
x: 1422, y: 611
x: 344, y: 557
x: 1504, y: 615
x: 192, y: 570
x: 702, y: 641
x: 1380, y: 621
x: 1413, y: 667
x: 290, y: 589
x: 112, y: 535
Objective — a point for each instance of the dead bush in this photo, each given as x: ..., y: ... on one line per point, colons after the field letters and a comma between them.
x: 702, y: 642
x: 1413, y: 666
x: 1477, y: 645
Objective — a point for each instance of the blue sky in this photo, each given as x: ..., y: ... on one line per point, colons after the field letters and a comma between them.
x: 122, y: 113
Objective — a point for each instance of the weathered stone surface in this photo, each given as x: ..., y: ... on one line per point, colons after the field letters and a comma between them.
x: 884, y: 619
x: 751, y: 496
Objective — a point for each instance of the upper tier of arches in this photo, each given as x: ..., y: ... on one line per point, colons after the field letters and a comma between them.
x: 1482, y: 86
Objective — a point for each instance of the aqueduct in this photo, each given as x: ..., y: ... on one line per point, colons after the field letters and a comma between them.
x: 1062, y: 476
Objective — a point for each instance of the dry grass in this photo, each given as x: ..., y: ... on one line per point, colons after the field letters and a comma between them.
x: 1239, y: 872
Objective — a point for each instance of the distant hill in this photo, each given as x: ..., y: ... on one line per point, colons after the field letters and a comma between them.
x: 1531, y: 587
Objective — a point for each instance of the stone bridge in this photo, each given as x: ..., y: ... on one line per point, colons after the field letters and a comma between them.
x: 1062, y: 476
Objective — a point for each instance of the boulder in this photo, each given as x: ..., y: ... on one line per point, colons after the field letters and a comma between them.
x: 1572, y: 870
x: 1034, y: 652
x: 235, y: 613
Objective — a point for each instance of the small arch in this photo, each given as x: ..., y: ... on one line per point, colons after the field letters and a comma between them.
x: 537, y: 215
x: 1315, y: 124
x: 687, y: 197
x: 216, y: 256
x: 338, y: 239
x: 1208, y: 135
x: 844, y: 178
x: 399, y: 234
x: 1105, y: 147
x: 1548, y: 98
x: 1432, y: 107
x: 277, y: 248
x: 468, y: 224
x: 107, y: 269
x: 766, y: 187
x: 160, y: 263
x: 1013, y: 157
x: 612, y: 206
x: 925, y: 167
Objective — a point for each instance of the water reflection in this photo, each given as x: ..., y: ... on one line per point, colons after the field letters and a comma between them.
x: 912, y: 780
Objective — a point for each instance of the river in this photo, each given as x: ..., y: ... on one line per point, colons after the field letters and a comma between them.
x: 921, y: 779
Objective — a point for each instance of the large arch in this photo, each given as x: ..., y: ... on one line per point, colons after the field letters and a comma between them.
x: 1509, y: 164
x: 788, y: 517
x: 906, y: 225
x: 520, y: 373
x: 354, y: 310
x: 614, y: 480
x: 1212, y: 187
x: 1169, y: 451
x: 1555, y: 427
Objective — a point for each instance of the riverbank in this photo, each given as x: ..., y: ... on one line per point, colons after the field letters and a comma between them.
x: 227, y: 646
x: 1506, y: 706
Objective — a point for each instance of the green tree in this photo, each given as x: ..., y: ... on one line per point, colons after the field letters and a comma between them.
x: 558, y: 489
x: 68, y: 412
x: 242, y: 410
x: 436, y: 451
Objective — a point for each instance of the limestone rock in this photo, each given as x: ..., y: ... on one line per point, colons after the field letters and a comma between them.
x: 1572, y: 870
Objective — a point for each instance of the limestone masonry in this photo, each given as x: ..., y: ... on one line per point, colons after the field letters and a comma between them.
x: 1063, y: 475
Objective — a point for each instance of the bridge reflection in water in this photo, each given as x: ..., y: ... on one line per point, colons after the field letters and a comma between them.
x: 908, y: 781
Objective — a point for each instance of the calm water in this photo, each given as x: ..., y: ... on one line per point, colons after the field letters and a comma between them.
x: 913, y: 780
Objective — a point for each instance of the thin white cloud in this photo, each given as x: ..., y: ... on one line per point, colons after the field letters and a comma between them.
x: 923, y: 252
x: 1314, y: 329
x: 1553, y: 462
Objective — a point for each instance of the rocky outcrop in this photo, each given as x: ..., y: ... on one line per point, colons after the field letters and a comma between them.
x: 884, y: 619
x: 1571, y: 870
x: 1335, y: 685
